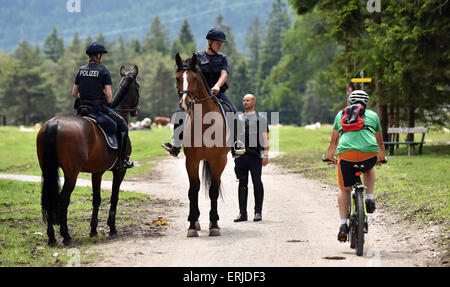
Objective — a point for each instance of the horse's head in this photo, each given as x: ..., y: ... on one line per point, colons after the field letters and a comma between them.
x: 189, y: 82
x: 126, y: 98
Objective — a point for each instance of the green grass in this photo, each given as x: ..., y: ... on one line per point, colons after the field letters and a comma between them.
x: 23, y: 240
x: 18, y: 151
x: 415, y: 187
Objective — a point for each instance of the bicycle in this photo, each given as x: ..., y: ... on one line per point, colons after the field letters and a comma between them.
x: 357, y: 214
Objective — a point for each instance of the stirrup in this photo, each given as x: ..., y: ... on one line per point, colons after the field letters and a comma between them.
x: 173, y: 151
x: 237, y: 152
x: 122, y: 165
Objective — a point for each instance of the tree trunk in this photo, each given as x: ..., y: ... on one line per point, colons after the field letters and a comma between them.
x: 411, y: 120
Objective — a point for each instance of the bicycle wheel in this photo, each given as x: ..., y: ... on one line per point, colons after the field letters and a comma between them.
x: 359, y: 224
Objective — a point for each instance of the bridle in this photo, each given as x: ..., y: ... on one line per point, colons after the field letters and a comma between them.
x: 122, y: 85
x: 195, y: 97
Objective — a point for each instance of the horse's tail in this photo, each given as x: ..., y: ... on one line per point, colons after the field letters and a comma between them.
x: 206, y: 178
x: 50, y: 174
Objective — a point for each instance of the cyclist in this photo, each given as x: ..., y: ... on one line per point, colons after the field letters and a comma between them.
x: 363, y: 146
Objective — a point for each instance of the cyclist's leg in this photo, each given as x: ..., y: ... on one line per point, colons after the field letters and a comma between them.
x: 369, y: 180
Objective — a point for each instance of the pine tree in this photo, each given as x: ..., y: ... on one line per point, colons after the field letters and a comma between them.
x: 271, y: 52
x: 28, y: 94
x: 53, y: 46
x: 157, y: 38
x: 185, y: 44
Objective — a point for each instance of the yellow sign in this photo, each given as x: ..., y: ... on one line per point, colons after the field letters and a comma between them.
x: 361, y: 80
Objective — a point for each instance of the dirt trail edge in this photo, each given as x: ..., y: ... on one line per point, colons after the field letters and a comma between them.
x: 299, y: 227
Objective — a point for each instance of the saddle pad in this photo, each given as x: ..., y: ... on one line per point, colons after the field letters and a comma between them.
x: 110, y: 137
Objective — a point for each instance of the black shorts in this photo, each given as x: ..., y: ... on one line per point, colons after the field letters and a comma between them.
x: 346, y: 170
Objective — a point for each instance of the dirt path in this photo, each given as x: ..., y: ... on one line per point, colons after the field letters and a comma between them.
x: 299, y: 227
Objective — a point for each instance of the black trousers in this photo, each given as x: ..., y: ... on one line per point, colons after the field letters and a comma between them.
x: 243, y: 165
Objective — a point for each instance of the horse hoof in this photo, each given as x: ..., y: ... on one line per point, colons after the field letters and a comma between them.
x: 51, y: 242
x: 197, y: 226
x: 113, y: 233
x: 192, y: 233
x: 214, y: 232
x: 93, y: 233
x: 67, y: 241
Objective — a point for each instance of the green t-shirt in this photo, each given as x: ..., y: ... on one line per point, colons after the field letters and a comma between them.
x: 363, y: 140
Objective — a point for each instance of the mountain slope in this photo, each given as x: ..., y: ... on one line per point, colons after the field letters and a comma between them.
x: 33, y: 20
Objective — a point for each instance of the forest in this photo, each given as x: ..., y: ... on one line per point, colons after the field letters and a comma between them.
x: 298, y: 62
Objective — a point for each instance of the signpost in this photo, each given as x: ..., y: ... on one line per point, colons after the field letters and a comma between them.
x: 361, y: 80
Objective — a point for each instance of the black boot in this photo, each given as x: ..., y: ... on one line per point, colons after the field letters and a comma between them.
x: 123, y: 162
x: 173, y: 150
x: 242, y: 196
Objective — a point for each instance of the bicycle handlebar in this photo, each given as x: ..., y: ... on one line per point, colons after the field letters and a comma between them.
x: 325, y: 159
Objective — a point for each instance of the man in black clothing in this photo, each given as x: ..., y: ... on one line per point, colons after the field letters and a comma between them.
x: 256, y: 156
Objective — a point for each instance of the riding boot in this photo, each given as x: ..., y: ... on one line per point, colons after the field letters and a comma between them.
x: 123, y: 162
x: 259, y: 196
x: 242, y: 196
x: 174, y: 149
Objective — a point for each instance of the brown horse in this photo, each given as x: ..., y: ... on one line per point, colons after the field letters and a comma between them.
x: 75, y: 145
x: 193, y: 91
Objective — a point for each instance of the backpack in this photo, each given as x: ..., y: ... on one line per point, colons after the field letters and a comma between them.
x: 353, y: 119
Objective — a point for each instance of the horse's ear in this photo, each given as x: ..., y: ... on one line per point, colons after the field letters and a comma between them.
x: 194, y: 60
x: 135, y: 71
x: 178, y: 60
x: 123, y: 71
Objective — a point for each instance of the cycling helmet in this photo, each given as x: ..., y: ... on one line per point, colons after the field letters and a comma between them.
x: 94, y: 48
x: 358, y: 96
x: 216, y: 34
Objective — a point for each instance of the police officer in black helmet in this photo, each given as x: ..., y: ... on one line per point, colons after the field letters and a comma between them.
x: 214, y: 66
x: 93, y: 88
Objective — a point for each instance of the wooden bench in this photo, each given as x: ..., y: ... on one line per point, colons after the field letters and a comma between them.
x: 393, y: 139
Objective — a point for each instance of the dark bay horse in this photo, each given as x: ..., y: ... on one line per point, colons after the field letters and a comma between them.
x: 193, y: 91
x: 75, y: 145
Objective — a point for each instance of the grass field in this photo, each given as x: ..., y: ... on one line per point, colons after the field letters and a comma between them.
x: 415, y: 187
x: 18, y: 151
x: 23, y: 240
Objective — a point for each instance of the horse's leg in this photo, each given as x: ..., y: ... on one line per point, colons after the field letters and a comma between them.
x: 118, y: 176
x: 217, y: 168
x: 50, y: 231
x: 64, y: 201
x: 194, y: 187
x: 96, y: 183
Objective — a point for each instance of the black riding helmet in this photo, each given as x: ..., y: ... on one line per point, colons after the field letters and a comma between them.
x: 94, y: 48
x: 216, y: 34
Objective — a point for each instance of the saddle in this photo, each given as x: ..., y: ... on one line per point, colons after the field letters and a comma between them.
x: 107, y: 125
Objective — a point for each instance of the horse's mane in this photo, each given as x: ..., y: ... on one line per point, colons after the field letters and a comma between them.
x: 120, y: 93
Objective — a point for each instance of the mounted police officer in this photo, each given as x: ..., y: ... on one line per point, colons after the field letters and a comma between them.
x: 214, y: 66
x: 93, y: 88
